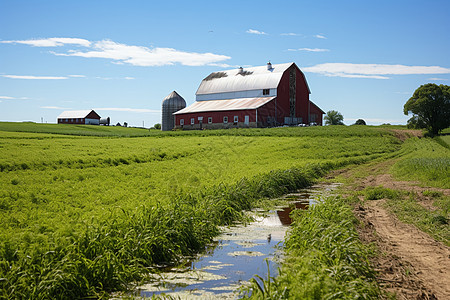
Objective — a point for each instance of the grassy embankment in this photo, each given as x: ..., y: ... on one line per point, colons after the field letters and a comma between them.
x: 83, y: 214
x: 324, y: 257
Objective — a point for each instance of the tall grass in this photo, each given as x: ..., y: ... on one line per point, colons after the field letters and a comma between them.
x: 427, y: 161
x: 324, y: 258
x: 106, y: 256
x: 82, y: 216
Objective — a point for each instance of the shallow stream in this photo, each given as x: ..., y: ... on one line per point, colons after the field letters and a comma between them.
x: 238, y: 254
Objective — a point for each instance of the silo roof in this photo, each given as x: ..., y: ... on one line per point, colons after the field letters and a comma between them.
x: 173, y: 95
x: 254, y: 78
x: 223, y: 105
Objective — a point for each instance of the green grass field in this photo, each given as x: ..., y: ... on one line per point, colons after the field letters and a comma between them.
x: 86, y: 209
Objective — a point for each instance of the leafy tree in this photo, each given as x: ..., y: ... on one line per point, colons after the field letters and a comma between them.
x: 334, y: 117
x: 415, y: 123
x: 157, y: 126
x: 430, y: 106
x: 360, y: 122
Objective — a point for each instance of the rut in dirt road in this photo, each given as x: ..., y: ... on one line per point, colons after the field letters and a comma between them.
x: 429, y: 258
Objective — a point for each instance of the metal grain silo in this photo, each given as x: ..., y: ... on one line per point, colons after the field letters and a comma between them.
x: 172, y: 103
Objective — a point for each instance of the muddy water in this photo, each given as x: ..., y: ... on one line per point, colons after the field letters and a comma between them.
x: 238, y: 254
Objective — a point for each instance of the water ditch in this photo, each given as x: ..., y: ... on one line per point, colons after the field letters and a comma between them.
x: 236, y: 255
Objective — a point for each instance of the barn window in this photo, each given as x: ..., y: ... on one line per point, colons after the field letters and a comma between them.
x: 192, y: 121
x: 209, y: 120
x: 225, y: 119
x: 181, y: 122
x: 266, y: 91
x: 236, y: 119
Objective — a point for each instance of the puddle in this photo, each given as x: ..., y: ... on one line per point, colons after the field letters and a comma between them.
x: 239, y: 253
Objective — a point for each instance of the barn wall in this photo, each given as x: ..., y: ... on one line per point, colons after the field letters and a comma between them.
x: 71, y: 121
x: 88, y: 121
x: 217, y: 119
x: 237, y: 94
x: 266, y: 114
x: 316, y: 114
x: 282, y: 101
x: 302, y: 93
x: 93, y: 115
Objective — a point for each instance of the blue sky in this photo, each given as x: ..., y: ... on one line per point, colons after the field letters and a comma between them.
x: 121, y: 58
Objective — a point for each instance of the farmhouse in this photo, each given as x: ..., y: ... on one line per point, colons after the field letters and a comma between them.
x: 88, y: 117
x: 264, y: 96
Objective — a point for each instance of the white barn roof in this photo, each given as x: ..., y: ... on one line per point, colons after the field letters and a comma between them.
x: 255, y: 78
x: 223, y: 105
x: 72, y: 114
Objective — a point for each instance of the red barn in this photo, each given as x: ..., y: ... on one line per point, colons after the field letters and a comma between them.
x: 271, y: 95
x: 88, y: 117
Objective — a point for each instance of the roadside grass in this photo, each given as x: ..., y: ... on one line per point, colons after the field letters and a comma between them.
x: 324, y: 258
x: 426, y: 161
x: 82, y: 216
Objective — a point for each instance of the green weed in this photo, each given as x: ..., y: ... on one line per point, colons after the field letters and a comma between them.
x: 379, y: 192
x: 432, y: 194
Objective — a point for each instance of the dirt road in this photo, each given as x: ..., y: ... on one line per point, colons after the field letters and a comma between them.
x: 410, y: 263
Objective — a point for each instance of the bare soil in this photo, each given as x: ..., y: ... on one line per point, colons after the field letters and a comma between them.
x: 410, y: 264
x: 404, y: 134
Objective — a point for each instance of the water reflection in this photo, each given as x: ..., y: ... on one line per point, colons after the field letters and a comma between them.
x: 238, y: 254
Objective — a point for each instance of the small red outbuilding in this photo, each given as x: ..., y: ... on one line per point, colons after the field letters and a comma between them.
x: 88, y: 117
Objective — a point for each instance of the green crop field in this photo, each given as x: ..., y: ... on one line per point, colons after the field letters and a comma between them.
x: 85, y: 210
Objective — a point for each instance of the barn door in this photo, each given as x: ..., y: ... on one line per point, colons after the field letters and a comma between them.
x: 246, y: 120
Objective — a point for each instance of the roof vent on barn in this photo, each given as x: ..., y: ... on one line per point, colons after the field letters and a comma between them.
x: 172, y: 103
x: 241, y: 70
x: 269, y: 66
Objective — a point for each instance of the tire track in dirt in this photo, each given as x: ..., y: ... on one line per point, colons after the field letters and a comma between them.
x: 429, y: 259
x: 410, y: 264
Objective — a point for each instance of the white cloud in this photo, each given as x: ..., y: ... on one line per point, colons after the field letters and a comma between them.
x: 135, y: 110
x: 77, y: 76
x: 290, y: 34
x: 126, y: 54
x: 53, y: 107
x: 310, y: 49
x: 438, y: 79
x: 51, y: 42
x: 253, y: 31
x: 34, y: 77
x: 13, y: 98
x: 129, y: 78
x: 143, y: 56
x: 319, y: 36
x: 372, y: 70
x: 223, y: 65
